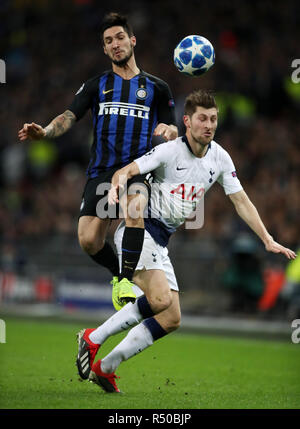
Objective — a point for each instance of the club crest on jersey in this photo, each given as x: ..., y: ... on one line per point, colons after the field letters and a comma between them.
x: 211, y: 175
x: 141, y: 93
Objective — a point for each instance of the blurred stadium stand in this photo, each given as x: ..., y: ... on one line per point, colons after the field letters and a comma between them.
x: 49, y: 54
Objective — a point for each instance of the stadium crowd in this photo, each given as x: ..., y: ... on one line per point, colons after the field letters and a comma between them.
x: 51, y: 47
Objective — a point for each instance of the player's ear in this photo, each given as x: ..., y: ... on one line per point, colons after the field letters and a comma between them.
x: 133, y: 41
x: 187, y: 121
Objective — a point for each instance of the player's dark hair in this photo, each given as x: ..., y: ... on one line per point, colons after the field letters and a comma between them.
x: 113, y: 19
x: 201, y: 97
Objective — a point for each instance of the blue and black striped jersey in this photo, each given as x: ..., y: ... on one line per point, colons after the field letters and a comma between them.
x: 125, y: 114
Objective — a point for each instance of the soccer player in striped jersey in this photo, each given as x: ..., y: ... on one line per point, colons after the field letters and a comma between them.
x: 128, y: 107
x: 184, y: 170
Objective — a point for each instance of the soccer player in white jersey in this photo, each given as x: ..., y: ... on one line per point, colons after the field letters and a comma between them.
x: 184, y: 169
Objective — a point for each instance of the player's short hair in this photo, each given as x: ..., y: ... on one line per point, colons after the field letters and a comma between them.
x: 113, y: 19
x: 201, y: 97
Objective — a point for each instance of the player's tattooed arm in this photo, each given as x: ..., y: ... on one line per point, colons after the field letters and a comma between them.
x: 56, y: 128
x: 61, y: 124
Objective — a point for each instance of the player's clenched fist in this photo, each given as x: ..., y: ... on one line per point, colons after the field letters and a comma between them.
x: 168, y: 132
x: 31, y: 131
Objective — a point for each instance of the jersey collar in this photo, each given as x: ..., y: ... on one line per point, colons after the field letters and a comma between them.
x: 185, y: 140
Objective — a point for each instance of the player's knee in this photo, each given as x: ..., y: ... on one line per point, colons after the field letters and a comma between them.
x: 134, y: 223
x: 160, y: 302
x: 135, y: 209
x: 173, y: 323
x: 90, y: 244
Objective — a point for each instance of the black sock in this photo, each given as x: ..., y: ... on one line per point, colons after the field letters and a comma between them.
x: 144, y: 307
x: 157, y: 331
x: 107, y: 258
x: 132, y: 245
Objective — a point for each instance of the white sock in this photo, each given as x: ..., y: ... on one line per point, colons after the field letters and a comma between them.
x: 137, y: 340
x: 122, y: 320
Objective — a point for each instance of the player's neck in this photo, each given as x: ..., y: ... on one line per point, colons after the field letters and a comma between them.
x: 198, y: 149
x: 128, y: 71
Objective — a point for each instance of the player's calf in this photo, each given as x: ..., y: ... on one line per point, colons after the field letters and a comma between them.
x: 170, y: 319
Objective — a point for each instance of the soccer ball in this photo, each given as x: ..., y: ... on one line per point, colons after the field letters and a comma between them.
x: 194, y: 55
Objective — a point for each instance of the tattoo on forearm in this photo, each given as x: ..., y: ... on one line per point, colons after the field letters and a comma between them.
x: 60, y: 124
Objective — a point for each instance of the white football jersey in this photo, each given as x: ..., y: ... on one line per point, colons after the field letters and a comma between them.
x: 180, y: 179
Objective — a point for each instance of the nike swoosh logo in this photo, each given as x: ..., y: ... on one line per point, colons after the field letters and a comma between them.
x: 105, y: 92
x: 178, y: 168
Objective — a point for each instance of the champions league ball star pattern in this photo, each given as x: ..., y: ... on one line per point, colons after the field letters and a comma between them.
x: 194, y: 55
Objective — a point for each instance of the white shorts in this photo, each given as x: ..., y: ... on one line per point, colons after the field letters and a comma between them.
x: 153, y: 256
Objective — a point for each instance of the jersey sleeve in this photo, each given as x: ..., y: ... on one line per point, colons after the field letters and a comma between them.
x: 228, y: 177
x: 83, y: 98
x: 154, y: 158
x: 166, y: 106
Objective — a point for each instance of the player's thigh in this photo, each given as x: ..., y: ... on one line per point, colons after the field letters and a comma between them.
x: 170, y: 318
x: 133, y: 202
x: 95, y: 198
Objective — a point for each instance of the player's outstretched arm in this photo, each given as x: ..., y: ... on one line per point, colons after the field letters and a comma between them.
x: 61, y: 124
x: 168, y: 132
x: 119, y: 180
x: 247, y: 211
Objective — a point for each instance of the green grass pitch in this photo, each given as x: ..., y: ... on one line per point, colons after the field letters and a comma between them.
x: 180, y: 371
